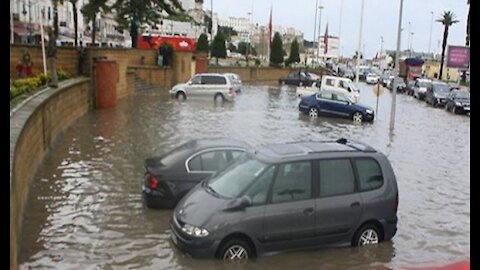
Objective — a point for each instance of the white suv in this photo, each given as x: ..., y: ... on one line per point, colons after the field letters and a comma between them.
x: 218, y: 86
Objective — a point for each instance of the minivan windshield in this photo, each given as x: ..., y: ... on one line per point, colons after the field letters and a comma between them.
x: 232, y: 181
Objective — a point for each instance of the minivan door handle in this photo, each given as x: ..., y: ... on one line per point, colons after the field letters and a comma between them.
x: 355, y: 204
x: 308, y: 211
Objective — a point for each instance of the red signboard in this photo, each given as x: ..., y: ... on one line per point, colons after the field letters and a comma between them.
x: 458, y: 57
x: 178, y: 43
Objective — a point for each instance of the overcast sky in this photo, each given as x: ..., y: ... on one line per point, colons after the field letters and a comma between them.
x: 380, y: 19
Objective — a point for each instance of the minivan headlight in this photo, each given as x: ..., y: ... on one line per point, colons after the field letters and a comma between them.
x: 194, y: 231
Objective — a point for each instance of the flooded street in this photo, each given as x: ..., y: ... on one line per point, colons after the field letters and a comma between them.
x: 85, y: 207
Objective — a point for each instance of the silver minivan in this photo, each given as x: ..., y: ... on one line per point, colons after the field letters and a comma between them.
x: 219, y: 87
x: 290, y: 196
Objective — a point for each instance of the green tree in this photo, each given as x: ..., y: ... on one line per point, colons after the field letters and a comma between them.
x: 276, y: 52
x: 228, y: 32
x: 447, y: 19
x: 90, y: 12
x: 294, y: 56
x: 202, y: 43
x: 246, y: 49
x: 219, y: 50
x: 132, y: 14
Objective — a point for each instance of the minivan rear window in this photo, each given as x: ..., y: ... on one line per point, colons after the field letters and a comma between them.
x: 369, y: 174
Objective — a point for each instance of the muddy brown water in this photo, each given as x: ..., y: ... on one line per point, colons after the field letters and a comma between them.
x: 85, y: 208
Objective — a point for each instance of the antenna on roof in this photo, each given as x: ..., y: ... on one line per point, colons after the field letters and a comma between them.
x: 342, y: 141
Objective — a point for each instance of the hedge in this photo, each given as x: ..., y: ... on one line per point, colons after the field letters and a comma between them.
x: 28, y: 85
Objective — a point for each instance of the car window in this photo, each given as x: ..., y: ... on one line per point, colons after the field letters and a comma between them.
x: 340, y: 97
x: 213, y: 80
x: 369, y: 174
x: 196, y: 80
x: 325, y: 95
x: 236, y: 154
x: 336, y: 177
x: 292, y: 183
x: 258, y: 191
x: 343, y: 85
x: 210, y: 161
x: 330, y: 82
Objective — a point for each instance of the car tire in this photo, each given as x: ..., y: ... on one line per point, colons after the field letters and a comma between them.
x: 235, y: 250
x: 434, y: 103
x: 219, y: 98
x: 180, y: 96
x: 368, y: 234
x: 454, y: 109
x: 357, y: 117
x: 313, y: 112
x: 446, y: 107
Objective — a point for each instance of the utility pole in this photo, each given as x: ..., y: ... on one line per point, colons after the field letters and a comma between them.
x: 397, y: 63
x: 315, y: 23
x: 249, y: 37
x: 340, y: 27
x: 381, y: 52
x: 430, y: 39
x: 359, y: 44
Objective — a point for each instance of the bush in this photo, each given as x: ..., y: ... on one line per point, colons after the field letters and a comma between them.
x: 27, y: 85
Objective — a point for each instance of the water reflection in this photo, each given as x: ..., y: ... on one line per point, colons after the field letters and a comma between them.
x: 85, y: 207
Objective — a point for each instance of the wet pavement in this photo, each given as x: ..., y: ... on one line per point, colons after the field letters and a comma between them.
x: 85, y: 207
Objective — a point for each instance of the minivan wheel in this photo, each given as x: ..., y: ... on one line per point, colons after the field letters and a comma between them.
x: 235, y: 250
x: 313, y: 112
x: 367, y: 235
x: 180, y: 96
x: 219, y: 98
x: 357, y: 117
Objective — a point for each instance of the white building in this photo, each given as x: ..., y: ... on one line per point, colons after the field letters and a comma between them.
x: 332, y: 48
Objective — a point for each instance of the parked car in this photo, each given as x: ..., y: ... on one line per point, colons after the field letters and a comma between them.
x: 399, y: 82
x: 410, y: 88
x: 331, y: 103
x: 458, y: 101
x: 437, y: 93
x: 236, y: 81
x: 420, y: 88
x: 169, y: 177
x: 298, y: 78
x: 385, y: 78
x: 372, y: 78
x: 290, y: 196
x: 214, y: 85
x: 349, y: 74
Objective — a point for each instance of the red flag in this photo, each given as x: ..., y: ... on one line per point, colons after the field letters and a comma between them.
x: 325, y: 40
x: 270, y: 29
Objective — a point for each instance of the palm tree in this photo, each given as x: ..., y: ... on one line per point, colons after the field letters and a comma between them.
x: 447, y: 19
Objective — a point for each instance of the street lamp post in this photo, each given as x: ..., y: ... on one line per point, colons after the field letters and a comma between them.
x: 408, y: 36
x: 397, y: 63
x: 340, y: 27
x: 381, y: 52
x: 411, y: 42
x: 315, y: 23
x: 359, y: 44
x: 430, y: 39
x: 319, y: 31
x: 249, y: 37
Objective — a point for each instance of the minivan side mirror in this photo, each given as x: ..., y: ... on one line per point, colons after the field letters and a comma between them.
x: 239, y: 204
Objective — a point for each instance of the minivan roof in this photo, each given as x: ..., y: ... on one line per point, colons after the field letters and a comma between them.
x: 295, y: 150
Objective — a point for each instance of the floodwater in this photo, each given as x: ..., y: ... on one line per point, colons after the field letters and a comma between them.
x: 85, y: 207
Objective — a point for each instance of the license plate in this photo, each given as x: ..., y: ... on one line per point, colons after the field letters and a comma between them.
x: 174, y: 239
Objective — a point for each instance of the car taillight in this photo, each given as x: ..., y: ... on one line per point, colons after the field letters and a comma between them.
x: 152, y: 181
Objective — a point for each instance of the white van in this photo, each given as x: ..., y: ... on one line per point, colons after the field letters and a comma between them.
x: 331, y: 83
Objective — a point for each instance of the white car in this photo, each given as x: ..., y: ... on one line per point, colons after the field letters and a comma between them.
x: 217, y: 86
x: 372, y: 78
x: 307, y: 90
x: 237, y: 82
x: 420, y: 88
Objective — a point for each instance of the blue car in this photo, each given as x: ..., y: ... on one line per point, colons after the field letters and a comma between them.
x: 333, y: 103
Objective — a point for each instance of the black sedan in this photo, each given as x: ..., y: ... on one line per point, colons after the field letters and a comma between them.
x: 298, y: 78
x: 458, y: 101
x: 169, y: 177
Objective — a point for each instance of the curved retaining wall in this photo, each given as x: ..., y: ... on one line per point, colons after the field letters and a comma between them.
x: 34, y: 125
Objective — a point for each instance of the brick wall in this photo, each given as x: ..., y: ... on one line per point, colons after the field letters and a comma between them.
x: 33, y: 129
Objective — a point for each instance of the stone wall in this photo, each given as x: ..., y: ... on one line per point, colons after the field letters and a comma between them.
x: 67, y: 58
x: 156, y: 76
x: 34, y: 125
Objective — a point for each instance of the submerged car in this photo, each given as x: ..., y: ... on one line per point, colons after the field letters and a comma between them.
x: 290, y: 196
x: 458, y: 101
x: 437, y: 94
x: 337, y: 104
x: 298, y: 78
x: 169, y: 177
x: 219, y: 87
